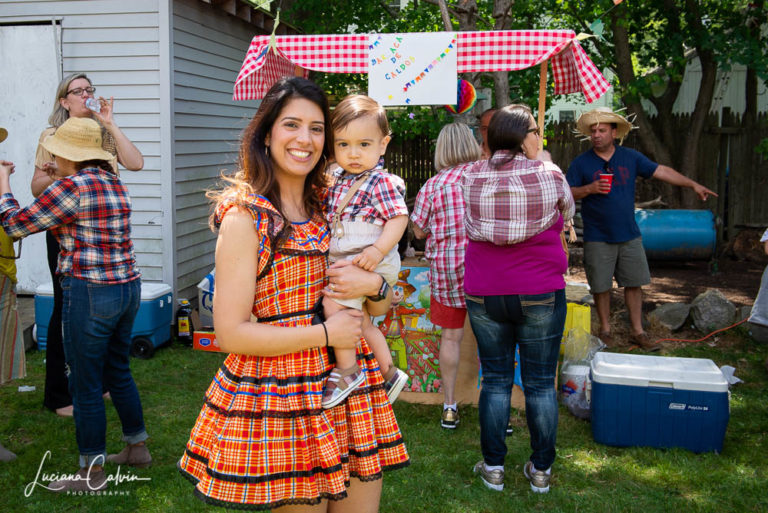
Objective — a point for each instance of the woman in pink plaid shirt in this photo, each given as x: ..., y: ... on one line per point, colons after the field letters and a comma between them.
x: 438, y: 215
x: 515, y: 207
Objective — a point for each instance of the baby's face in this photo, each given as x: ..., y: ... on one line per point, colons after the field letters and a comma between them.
x: 359, y: 145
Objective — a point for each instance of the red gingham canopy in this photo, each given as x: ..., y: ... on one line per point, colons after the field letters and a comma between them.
x: 498, y: 50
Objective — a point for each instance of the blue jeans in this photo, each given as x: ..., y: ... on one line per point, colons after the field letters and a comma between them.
x: 97, y: 320
x: 535, y: 323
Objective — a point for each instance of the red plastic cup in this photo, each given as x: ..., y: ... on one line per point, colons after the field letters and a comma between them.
x: 606, y: 180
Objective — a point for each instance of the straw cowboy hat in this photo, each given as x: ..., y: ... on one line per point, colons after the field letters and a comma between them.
x: 3, y: 134
x: 78, y: 140
x: 603, y: 115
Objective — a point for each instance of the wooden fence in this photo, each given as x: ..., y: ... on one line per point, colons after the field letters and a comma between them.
x: 412, y: 160
x: 727, y: 164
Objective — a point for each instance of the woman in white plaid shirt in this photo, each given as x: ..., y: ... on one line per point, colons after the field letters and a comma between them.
x: 438, y: 216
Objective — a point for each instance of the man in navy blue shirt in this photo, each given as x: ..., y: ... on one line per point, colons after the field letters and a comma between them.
x: 603, y: 178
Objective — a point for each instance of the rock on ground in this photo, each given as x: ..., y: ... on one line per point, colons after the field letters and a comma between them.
x: 671, y: 315
x: 711, y: 311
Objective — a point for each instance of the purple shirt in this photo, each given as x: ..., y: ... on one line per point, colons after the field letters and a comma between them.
x: 534, y: 266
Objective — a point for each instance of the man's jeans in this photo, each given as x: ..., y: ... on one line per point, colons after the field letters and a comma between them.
x: 97, y: 321
x: 535, y: 323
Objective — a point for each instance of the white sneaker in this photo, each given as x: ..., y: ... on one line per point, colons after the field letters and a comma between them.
x: 395, y: 384
x: 339, y: 386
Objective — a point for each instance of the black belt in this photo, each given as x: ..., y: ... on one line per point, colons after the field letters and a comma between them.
x: 316, y: 311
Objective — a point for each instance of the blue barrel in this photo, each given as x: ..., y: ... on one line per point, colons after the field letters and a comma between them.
x: 677, y: 234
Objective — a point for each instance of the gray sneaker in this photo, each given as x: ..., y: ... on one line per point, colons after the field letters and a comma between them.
x: 538, y: 478
x: 493, y: 479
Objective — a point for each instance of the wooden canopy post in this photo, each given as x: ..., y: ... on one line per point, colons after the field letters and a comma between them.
x: 542, y: 101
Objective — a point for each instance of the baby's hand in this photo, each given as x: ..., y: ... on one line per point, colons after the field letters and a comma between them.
x: 369, y: 258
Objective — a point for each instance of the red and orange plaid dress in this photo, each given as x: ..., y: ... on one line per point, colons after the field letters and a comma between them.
x: 262, y: 439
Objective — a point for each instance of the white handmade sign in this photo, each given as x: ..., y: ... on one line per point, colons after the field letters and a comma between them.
x: 413, y: 69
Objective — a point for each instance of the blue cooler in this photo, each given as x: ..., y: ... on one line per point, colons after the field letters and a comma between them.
x: 658, y: 401
x: 43, y: 312
x: 151, y: 329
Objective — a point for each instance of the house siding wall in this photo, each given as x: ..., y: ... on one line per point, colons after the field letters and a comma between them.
x: 729, y: 91
x: 116, y: 43
x: 208, y: 49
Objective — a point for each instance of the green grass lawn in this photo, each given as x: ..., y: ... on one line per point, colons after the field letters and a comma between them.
x: 588, y: 477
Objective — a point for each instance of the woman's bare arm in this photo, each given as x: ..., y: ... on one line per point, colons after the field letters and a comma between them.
x: 236, y: 267
x: 40, y: 181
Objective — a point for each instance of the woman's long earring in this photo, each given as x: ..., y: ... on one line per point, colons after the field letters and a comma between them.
x: 266, y: 151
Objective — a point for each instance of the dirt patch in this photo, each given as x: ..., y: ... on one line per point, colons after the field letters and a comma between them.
x: 681, y: 282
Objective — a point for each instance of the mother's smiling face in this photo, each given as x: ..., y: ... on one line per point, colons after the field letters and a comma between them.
x: 297, y: 138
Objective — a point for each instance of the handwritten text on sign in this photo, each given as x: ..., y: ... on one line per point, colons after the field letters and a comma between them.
x: 412, y: 69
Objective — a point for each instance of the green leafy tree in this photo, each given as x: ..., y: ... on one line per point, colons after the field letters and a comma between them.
x: 649, y: 44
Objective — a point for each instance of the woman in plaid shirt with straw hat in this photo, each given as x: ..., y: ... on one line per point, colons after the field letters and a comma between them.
x: 89, y: 211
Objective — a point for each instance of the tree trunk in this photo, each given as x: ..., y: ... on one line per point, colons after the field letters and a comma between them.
x: 466, y: 12
x: 502, y: 21
x: 755, y: 18
x: 447, y: 25
x: 750, y: 113
x: 689, y: 164
x: 649, y: 142
x: 666, y: 101
x: 501, y: 89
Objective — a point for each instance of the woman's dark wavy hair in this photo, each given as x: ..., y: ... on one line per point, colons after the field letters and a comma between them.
x: 508, y: 129
x: 256, y: 173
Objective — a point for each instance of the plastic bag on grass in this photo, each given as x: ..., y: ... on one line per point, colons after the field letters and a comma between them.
x: 580, y: 346
x: 579, y: 349
x: 578, y: 405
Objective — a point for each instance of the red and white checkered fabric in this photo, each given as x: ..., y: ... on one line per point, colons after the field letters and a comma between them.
x: 498, y: 50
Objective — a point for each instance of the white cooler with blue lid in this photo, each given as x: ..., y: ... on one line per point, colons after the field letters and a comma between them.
x: 658, y: 401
